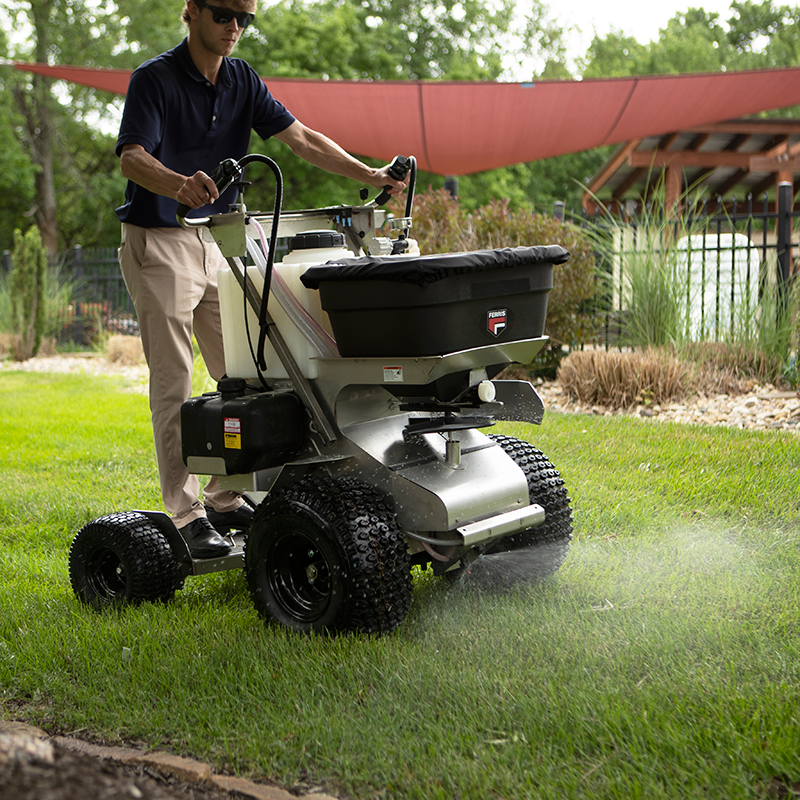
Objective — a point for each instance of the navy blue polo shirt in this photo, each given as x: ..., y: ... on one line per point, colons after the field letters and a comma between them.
x: 190, y: 124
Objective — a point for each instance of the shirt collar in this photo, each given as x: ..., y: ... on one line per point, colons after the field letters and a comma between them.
x: 183, y: 57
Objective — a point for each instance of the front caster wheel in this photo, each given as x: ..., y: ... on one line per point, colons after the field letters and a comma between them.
x: 122, y: 558
x: 326, y: 554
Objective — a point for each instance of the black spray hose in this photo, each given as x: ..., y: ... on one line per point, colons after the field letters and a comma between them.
x: 412, y: 185
x: 273, y: 242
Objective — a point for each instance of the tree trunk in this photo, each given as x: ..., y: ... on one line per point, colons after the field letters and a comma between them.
x: 36, y: 108
x: 42, y: 152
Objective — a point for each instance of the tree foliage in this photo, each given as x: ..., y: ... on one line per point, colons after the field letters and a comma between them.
x: 380, y: 39
x: 754, y: 36
x: 16, y: 170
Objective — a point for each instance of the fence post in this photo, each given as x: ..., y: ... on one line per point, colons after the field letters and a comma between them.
x: 77, y: 270
x: 784, y: 245
x: 77, y: 275
x: 6, y: 261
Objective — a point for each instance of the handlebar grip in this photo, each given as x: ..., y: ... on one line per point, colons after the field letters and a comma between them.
x: 223, y: 176
x: 398, y: 170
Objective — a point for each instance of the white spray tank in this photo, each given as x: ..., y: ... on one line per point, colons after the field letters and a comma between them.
x: 305, y: 249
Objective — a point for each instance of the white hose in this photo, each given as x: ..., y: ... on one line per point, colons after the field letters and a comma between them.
x: 312, y: 331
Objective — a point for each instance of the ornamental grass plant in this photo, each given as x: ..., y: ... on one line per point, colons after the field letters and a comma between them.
x: 621, y: 380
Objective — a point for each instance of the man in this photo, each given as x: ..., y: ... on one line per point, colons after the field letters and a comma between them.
x: 185, y: 111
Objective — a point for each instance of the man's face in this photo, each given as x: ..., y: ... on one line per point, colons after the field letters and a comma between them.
x: 219, y: 26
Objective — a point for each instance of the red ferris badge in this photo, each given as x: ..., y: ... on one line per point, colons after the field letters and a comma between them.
x: 496, y: 321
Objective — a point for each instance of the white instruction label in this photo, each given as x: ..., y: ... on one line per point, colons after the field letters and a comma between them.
x: 392, y: 374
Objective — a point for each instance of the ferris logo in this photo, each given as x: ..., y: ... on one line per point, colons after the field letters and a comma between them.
x: 496, y: 321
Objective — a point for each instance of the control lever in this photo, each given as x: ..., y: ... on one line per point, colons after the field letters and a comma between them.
x: 398, y: 170
x: 223, y: 176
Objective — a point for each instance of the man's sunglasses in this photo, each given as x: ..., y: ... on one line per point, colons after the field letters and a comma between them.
x: 223, y: 16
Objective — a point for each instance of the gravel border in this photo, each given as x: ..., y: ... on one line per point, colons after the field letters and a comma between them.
x: 762, y: 408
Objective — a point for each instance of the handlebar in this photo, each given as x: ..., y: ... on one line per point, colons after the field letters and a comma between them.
x: 231, y: 170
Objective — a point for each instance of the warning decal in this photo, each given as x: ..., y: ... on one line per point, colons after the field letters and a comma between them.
x: 393, y: 375
x: 232, y: 430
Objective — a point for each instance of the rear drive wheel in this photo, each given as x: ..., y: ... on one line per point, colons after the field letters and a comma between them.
x: 536, y: 553
x: 326, y: 554
x: 122, y: 558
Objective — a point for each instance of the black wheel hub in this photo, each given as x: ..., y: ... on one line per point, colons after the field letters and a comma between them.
x: 300, y: 576
x: 105, y: 573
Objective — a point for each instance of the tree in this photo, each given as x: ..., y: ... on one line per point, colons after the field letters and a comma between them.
x: 391, y: 40
x: 73, y: 32
x: 35, y: 108
x: 614, y: 55
x: 693, y: 41
x: 374, y: 39
x: 379, y: 39
x: 763, y: 35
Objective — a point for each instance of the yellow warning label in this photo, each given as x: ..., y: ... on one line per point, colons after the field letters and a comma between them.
x: 233, y: 441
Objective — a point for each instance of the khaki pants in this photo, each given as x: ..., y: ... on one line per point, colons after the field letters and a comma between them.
x: 171, y: 274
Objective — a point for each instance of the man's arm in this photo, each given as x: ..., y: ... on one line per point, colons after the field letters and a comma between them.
x: 139, y: 166
x: 323, y: 152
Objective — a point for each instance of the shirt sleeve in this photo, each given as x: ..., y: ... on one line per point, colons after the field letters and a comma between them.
x: 143, y: 115
x: 269, y: 115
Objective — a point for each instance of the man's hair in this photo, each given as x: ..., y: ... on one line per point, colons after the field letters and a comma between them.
x: 236, y: 5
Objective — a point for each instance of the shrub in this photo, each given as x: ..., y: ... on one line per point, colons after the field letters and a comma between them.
x: 124, y: 350
x: 27, y: 292
x: 442, y: 226
x: 58, y: 293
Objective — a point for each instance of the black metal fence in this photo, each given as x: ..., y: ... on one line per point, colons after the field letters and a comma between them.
x: 100, y: 297
x: 725, y: 255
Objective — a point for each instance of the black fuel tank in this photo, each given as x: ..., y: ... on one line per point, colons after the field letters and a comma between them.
x: 246, y: 434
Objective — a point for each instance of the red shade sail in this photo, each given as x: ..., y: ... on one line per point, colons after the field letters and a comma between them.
x: 457, y: 128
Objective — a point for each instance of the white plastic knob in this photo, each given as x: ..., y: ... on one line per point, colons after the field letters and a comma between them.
x: 486, y: 392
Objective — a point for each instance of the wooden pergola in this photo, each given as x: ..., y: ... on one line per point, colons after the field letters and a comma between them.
x: 739, y: 158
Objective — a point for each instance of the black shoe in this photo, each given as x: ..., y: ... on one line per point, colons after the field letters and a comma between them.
x: 237, y: 520
x: 203, y: 539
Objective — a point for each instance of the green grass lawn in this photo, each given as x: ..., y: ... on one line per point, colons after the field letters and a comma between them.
x: 661, y: 661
